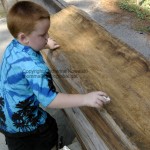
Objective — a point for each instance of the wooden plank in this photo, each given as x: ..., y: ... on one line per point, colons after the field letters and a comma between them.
x: 91, y: 59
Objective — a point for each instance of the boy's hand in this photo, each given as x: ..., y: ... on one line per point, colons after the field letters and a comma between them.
x: 96, y: 99
x: 52, y: 44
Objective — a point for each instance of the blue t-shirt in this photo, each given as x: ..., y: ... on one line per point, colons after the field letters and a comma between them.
x: 25, y: 81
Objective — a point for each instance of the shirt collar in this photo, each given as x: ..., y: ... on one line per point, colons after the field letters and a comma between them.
x: 23, y: 48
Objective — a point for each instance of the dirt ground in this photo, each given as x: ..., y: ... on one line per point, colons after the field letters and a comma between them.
x: 119, y: 15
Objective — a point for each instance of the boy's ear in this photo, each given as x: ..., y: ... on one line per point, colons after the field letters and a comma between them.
x: 23, y: 38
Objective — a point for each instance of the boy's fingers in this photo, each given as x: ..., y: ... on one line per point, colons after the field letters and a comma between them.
x: 101, y: 99
x: 105, y: 99
x: 100, y: 93
x: 99, y: 103
x: 54, y: 46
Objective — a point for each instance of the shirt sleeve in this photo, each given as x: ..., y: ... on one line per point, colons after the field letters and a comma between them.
x: 41, y: 83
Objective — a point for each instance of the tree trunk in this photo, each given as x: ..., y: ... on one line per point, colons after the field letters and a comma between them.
x: 137, y: 2
x: 7, y: 4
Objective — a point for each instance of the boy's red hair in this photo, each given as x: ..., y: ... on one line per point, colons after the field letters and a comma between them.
x: 23, y: 16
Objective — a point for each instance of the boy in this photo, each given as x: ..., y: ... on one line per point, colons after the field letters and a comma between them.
x: 25, y: 81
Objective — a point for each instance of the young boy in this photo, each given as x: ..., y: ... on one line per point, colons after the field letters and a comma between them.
x: 25, y: 82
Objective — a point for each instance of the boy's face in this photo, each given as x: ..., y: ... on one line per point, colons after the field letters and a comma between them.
x: 38, y: 38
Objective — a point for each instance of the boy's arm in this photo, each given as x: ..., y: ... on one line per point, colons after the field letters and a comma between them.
x: 93, y: 99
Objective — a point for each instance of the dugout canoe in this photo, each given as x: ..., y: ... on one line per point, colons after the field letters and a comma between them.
x: 92, y: 59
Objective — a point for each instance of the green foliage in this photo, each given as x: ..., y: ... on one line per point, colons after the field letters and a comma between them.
x: 142, y: 11
x: 144, y: 29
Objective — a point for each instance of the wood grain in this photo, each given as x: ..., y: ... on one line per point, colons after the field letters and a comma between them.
x: 90, y: 59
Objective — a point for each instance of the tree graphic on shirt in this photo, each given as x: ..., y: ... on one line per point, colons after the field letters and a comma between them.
x: 2, y: 116
x: 50, y: 82
x: 25, y: 118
